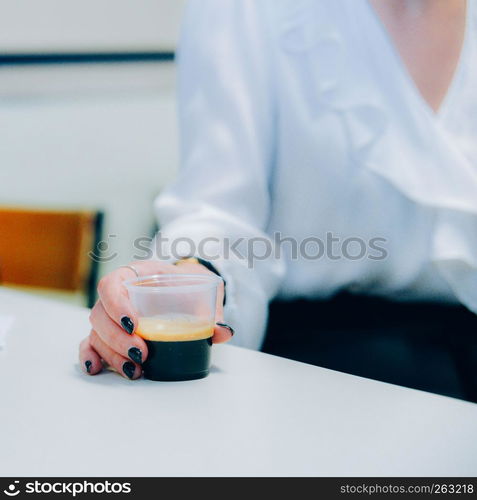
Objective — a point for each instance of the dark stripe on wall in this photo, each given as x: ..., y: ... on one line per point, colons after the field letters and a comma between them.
x: 82, y: 58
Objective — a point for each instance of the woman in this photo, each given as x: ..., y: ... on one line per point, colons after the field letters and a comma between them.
x: 347, y: 123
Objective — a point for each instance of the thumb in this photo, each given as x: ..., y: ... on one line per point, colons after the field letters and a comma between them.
x: 222, y: 331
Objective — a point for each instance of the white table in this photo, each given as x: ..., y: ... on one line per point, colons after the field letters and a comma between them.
x: 254, y: 415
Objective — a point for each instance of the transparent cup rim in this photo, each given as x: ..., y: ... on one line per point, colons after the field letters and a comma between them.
x: 202, y: 282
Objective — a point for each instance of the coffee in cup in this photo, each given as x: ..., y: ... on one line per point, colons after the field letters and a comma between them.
x: 178, y: 347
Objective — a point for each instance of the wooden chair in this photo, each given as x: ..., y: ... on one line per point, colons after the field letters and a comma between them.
x: 48, y: 249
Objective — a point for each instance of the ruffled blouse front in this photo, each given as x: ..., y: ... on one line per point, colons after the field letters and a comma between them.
x: 310, y: 125
x: 349, y: 68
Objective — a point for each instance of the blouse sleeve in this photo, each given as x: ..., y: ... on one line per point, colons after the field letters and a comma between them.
x: 218, y: 207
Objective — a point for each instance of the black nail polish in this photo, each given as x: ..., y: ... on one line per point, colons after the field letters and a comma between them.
x: 129, y: 369
x: 88, y: 364
x: 127, y: 324
x: 224, y: 325
x: 135, y: 354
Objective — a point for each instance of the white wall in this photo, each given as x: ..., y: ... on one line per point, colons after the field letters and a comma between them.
x: 96, y: 136
x: 88, y: 25
x: 101, y: 136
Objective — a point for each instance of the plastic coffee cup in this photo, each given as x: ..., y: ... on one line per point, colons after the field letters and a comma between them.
x: 176, y: 319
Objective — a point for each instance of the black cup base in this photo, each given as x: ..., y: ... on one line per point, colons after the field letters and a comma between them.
x: 176, y: 361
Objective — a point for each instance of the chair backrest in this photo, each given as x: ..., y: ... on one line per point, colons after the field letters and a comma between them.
x: 49, y: 248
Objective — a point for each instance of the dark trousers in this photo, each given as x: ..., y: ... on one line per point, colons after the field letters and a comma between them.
x: 427, y: 346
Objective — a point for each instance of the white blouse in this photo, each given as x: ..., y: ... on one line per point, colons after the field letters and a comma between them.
x: 298, y: 117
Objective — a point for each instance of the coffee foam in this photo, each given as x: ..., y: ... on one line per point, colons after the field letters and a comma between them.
x: 174, y: 328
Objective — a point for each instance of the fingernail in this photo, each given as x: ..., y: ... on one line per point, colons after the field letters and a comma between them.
x: 229, y: 328
x: 129, y: 369
x: 135, y: 354
x: 88, y: 364
x: 128, y: 325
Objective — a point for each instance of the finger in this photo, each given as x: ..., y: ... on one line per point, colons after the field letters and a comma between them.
x: 222, y: 333
x: 219, y: 309
x: 114, y: 296
x: 129, y: 346
x: 90, y: 361
x: 121, y: 364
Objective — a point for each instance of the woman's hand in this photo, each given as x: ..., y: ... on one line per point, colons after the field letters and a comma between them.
x: 113, y: 320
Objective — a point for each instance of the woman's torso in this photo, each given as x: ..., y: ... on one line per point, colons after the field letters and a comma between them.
x: 361, y: 155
